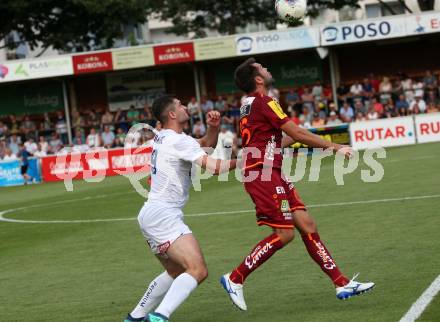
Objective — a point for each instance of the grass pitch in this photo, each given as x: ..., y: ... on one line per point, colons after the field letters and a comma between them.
x: 98, y: 271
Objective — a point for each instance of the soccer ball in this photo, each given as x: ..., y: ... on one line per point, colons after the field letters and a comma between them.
x: 291, y: 10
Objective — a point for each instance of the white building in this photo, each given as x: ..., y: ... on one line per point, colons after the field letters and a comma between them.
x: 154, y: 30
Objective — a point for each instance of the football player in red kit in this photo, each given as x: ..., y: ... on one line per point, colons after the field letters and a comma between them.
x: 277, y: 203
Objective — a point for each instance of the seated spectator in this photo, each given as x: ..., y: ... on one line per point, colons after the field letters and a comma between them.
x: 346, y: 113
x: 418, y: 88
x: 28, y: 127
x: 61, y: 127
x: 13, y: 125
x: 317, y: 121
x: 431, y: 97
x: 317, y: 90
x: 206, y: 105
x: 372, y: 114
x: 292, y: 98
x: 43, y: 145
x: 107, y: 137
x: 14, y: 143
x: 194, y: 108
x: 121, y: 120
x: 46, y: 125
x: 306, y: 117
x: 9, y: 156
x: 3, y: 129
x: 430, y: 82
x: 419, y: 103
x: 132, y: 115
x: 332, y: 108
x: 343, y: 92
x: 360, y: 117
x: 377, y: 106
x: 120, y: 137
x: 374, y: 81
x: 333, y: 119
x: 3, y: 147
x: 77, y: 120
x: 93, y: 140
x: 107, y: 119
x: 367, y: 89
x: 199, y: 129
x: 356, y: 91
x: 385, y: 90
x: 432, y: 108
x: 55, y: 143
x: 402, y: 103
x: 79, y: 138
x: 220, y: 105
x: 359, y: 107
x: 40, y: 153
x: 407, y: 87
x: 390, y: 109
x: 31, y: 146
x: 294, y: 117
x: 308, y: 99
x: 145, y: 117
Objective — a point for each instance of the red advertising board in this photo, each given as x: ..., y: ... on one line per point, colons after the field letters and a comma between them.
x: 175, y: 53
x: 96, y: 163
x: 89, y: 63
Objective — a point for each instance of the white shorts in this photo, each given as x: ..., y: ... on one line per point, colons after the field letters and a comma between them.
x: 161, y: 225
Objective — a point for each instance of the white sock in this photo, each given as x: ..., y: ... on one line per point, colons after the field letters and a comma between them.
x: 181, y: 288
x: 153, y: 295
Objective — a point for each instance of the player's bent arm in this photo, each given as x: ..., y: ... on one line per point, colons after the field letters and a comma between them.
x: 216, y: 166
x: 299, y: 134
x: 210, y: 138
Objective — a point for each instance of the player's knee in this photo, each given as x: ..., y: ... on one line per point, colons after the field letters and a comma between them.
x: 200, y: 273
x: 286, y: 235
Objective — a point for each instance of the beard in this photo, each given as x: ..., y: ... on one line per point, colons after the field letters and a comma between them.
x: 268, y: 82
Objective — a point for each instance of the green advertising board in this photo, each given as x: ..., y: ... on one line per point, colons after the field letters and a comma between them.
x: 286, y: 72
x: 30, y: 98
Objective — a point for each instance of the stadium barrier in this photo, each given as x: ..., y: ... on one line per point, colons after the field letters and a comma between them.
x: 397, y: 131
x: 10, y: 172
x: 95, y: 163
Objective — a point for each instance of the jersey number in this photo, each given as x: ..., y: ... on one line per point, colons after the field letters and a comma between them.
x: 245, y: 132
x: 153, y: 162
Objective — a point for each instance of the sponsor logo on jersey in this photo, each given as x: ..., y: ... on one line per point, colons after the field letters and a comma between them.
x: 245, y: 109
x: 270, y: 149
x: 148, y: 294
x: 280, y: 190
x: 162, y: 248
x: 285, y: 205
x: 276, y: 108
x: 252, y: 260
x: 328, y: 261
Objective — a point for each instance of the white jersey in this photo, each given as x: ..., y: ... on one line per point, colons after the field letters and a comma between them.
x: 171, y: 163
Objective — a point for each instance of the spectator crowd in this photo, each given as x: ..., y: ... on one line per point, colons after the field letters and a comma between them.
x: 308, y: 106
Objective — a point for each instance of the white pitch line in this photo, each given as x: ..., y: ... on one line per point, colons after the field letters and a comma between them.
x: 348, y: 203
x: 422, y: 302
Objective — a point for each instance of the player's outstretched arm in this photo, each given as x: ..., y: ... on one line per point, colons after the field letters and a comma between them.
x: 298, y: 134
x: 216, y: 166
x: 210, y: 139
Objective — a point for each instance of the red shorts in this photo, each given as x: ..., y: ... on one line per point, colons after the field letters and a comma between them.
x: 275, y: 199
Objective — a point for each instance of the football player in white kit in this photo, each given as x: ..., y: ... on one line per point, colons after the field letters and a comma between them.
x: 161, y: 218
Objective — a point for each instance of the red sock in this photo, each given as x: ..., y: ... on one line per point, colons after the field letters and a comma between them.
x: 261, y: 253
x: 322, y: 257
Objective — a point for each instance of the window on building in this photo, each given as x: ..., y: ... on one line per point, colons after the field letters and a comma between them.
x: 378, y: 10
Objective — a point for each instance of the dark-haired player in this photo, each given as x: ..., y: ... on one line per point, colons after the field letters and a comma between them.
x: 161, y: 218
x: 277, y: 203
